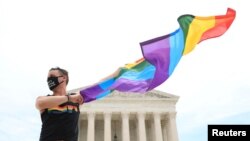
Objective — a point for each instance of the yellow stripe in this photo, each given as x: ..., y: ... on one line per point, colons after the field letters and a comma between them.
x: 198, y: 26
x: 131, y: 65
x: 64, y: 108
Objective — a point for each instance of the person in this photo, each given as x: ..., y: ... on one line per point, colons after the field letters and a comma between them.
x: 59, y: 111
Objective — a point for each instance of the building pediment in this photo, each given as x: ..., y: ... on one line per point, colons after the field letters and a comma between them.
x: 153, y: 94
x: 150, y: 94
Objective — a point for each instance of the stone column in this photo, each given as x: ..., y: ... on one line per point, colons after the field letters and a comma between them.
x: 172, y: 134
x: 125, y: 126
x: 152, y: 124
x: 91, y: 126
x: 107, y: 126
x: 164, y: 130
x: 157, y: 124
x: 80, y: 127
x: 141, y: 126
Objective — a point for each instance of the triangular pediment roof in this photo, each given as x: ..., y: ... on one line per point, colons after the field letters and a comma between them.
x: 153, y: 94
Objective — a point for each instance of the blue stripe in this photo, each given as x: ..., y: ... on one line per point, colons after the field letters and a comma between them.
x: 106, y: 84
x: 176, y: 49
x: 145, y: 74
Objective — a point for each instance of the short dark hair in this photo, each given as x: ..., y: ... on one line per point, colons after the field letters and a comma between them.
x: 63, y: 72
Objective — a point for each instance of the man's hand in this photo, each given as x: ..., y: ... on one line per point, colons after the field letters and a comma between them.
x: 76, y: 98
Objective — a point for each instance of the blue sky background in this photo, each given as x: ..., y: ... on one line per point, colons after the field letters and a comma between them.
x: 93, y: 38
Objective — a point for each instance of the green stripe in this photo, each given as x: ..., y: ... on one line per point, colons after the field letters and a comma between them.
x: 139, y: 67
x: 184, y: 22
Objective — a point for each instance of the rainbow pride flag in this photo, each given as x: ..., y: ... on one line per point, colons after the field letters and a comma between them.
x: 161, y: 55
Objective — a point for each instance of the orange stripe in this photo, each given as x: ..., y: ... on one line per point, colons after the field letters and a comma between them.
x: 64, y: 108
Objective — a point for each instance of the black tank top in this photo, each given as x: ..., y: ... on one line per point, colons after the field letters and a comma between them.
x: 60, y: 123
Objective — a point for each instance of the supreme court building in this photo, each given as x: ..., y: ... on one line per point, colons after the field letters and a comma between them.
x: 130, y: 117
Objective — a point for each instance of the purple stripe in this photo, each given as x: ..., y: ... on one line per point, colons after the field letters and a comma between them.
x: 90, y: 94
x: 126, y: 85
x: 154, y: 40
x: 157, y: 52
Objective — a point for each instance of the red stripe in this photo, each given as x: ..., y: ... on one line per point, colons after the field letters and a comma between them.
x: 222, y: 23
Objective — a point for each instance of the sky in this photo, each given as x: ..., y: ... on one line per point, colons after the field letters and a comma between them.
x: 93, y: 38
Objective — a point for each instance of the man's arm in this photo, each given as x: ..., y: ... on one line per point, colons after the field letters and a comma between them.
x: 43, y: 102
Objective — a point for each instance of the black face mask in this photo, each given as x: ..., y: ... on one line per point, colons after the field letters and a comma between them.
x: 53, y: 82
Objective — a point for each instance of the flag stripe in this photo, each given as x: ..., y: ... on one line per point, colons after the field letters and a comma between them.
x: 177, y: 44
